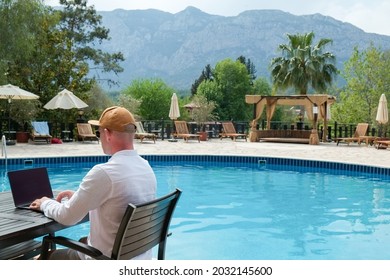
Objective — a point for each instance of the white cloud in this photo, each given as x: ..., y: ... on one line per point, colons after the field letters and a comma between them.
x: 369, y: 16
x: 372, y: 19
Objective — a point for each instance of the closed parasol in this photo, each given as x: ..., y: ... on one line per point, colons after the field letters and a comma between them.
x: 174, y: 112
x: 382, y: 115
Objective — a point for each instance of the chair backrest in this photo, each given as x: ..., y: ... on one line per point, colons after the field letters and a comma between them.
x: 84, y: 129
x: 181, y: 127
x: 41, y: 128
x: 361, y: 129
x: 145, y: 226
x: 228, y: 127
x: 140, y: 127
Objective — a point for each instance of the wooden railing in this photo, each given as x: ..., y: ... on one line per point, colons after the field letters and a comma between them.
x: 164, y: 128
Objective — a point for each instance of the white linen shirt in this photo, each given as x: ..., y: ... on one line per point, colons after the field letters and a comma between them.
x: 104, y: 193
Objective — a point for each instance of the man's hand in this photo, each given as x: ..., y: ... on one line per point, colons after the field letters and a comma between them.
x: 64, y: 194
x: 36, y: 204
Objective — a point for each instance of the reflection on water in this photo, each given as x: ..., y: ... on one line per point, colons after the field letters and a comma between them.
x: 250, y: 213
x: 4, y: 180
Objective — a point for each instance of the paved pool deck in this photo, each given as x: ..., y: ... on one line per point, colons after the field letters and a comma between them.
x: 354, y: 153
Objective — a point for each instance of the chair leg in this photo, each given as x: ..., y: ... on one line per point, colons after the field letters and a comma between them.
x: 47, y: 245
x: 45, y: 249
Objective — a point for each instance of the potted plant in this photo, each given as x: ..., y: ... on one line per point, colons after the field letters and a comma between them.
x: 202, y: 113
x: 23, y: 112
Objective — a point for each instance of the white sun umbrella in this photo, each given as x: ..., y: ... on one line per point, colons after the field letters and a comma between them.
x: 12, y: 92
x: 174, y: 111
x: 382, y: 115
x: 65, y: 99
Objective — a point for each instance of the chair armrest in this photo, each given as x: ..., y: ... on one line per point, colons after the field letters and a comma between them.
x: 72, y: 244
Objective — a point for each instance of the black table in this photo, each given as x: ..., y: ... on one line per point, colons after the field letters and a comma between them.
x: 18, y: 225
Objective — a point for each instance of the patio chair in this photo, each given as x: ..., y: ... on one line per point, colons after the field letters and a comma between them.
x: 142, y: 134
x: 228, y: 130
x: 85, y: 132
x: 142, y: 228
x: 361, y: 130
x: 182, y: 131
x: 40, y: 131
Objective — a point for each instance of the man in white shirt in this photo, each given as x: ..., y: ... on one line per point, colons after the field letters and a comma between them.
x: 107, y: 189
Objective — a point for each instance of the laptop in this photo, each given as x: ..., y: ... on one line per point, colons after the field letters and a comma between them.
x: 28, y: 185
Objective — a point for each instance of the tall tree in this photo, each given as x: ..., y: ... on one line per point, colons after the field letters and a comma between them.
x: 154, y: 96
x: 47, y: 50
x: 41, y: 72
x: 302, y: 65
x: 97, y: 101
x: 367, y: 75
x: 261, y: 87
x: 19, y: 21
x: 250, y: 67
x: 207, y: 75
x: 83, y: 31
x: 228, y: 90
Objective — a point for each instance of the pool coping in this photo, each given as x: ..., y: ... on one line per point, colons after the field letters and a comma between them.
x: 222, y: 160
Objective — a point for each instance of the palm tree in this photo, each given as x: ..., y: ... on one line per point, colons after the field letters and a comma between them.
x: 302, y: 65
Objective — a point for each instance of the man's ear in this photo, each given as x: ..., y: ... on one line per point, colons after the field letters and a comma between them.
x: 107, y: 134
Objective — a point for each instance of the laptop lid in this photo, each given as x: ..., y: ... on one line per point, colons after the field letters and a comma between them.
x: 28, y: 185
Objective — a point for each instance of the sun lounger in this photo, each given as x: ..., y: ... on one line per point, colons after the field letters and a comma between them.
x: 361, y: 130
x: 40, y: 131
x: 142, y: 134
x: 183, y: 132
x: 85, y: 132
x: 230, y: 131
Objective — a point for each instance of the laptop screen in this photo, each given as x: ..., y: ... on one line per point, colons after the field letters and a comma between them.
x: 29, y: 184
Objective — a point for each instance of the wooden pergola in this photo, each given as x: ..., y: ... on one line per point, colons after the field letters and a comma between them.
x: 321, y: 101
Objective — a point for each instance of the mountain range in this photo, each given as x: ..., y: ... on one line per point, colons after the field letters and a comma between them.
x: 177, y: 47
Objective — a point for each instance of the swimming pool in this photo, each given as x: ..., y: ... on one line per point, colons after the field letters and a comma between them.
x: 264, y: 208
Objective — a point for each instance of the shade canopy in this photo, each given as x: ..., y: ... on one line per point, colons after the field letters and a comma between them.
x: 65, y: 100
x: 174, y: 112
x: 382, y: 115
x: 321, y: 101
x: 12, y: 92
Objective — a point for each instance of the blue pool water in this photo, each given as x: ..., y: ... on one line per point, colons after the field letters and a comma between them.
x: 266, y: 212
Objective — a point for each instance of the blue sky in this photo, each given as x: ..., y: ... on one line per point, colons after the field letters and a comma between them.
x: 369, y: 15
